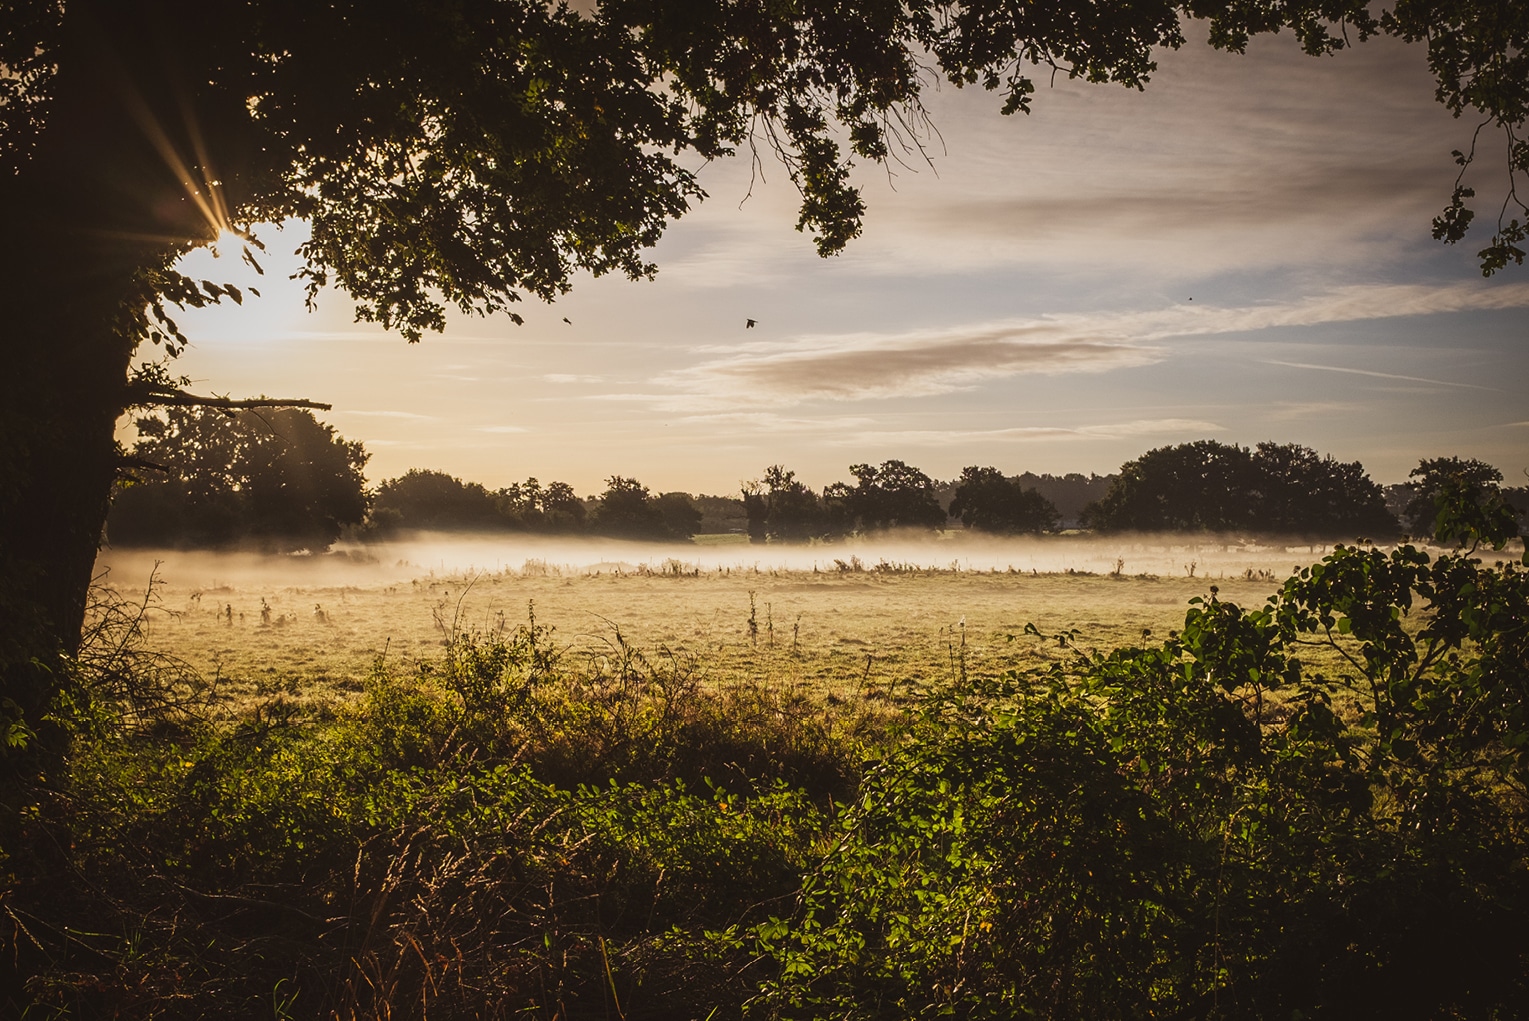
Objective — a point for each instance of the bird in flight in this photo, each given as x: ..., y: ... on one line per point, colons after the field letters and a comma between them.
x: 749, y: 324
x: 568, y: 321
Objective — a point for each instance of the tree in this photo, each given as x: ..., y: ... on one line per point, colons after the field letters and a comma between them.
x: 550, y: 508
x: 782, y: 508
x: 895, y: 495
x: 681, y: 518
x: 627, y: 511
x: 1199, y: 486
x: 466, y: 153
x: 1301, y: 492
x: 988, y: 501
x: 279, y: 478
x: 1450, y: 491
x: 1210, y: 486
x: 421, y: 498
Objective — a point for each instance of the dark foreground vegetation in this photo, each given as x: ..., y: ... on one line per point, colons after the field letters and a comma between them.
x: 283, y: 480
x: 1201, y: 826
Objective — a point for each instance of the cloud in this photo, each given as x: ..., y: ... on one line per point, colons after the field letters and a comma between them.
x: 1379, y: 375
x: 386, y: 414
x: 1026, y: 434
x: 862, y: 366
x: 570, y: 377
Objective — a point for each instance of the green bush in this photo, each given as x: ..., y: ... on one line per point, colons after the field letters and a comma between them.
x: 1205, y: 828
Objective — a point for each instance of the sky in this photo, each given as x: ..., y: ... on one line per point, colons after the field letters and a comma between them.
x: 1241, y: 252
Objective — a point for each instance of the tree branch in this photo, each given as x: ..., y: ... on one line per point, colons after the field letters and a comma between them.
x: 131, y: 461
x: 180, y: 399
x: 160, y: 396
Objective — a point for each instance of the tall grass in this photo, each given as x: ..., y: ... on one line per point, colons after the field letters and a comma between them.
x: 503, y: 831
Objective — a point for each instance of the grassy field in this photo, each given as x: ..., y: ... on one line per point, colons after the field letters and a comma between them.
x: 843, y: 633
x: 774, y: 829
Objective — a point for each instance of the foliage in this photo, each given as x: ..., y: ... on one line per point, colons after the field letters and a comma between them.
x: 989, y: 501
x: 1211, y: 486
x: 495, y: 832
x: 277, y: 477
x: 626, y: 510
x: 1205, y: 827
x: 894, y: 495
x: 421, y: 498
x: 554, y: 508
x: 1452, y: 494
x: 1209, y: 826
x: 681, y: 517
x: 781, y: 507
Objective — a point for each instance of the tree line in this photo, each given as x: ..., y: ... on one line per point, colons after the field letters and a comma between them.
x: 282, y: 479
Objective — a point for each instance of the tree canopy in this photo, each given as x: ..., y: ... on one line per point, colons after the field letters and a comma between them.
x: 989, y: 501
x: 1212, y: 486
x: 276, y: 478
x: 893, y: 495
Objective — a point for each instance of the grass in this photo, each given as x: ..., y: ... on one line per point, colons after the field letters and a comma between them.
x: 837, y: 633
x: 674, y: 793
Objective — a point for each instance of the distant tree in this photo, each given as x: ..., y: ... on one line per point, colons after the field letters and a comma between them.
x: 553, y: 508
x: 721, y: 514
x: 895, y: 495
x: 989, y: 501
x: 1451, y: 489
x: 1069, y: 493
x: 1210, y: 486
x: 681, y: 517
x: 1200, y: 486
x: 279, y: 478
x: 626, y: 510
x: 1299, y: 491
x: 562, y: 510
x: 422, y: 498
x: 780, y: 507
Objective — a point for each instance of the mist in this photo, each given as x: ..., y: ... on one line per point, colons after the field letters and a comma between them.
x: 455, y: 554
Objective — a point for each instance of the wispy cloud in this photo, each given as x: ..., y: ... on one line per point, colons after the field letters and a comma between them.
x: 1378, y: 375
x: 413, y: 416
x: 869, y: 365
x: 862, y: 366
x: 1025, y: 434
x: 570, y: 377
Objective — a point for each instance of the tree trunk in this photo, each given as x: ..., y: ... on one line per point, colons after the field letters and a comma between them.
x: 93, y: 209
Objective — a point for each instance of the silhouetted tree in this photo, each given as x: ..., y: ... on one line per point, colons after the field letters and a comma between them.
x: 562, y: 510
x: 1464, y: 490
x: 279, y: 478
x: 989, y: 501
x: 550, y: 508
x: 680, y: 516
x: 1210, y: 486
x: 783, y: 508
x: 895, y: 495
x: 1204, y: 485
x: 421, y: 498
x: 627, y: 511
x: 1069, y: 493
x: 1299, y: 491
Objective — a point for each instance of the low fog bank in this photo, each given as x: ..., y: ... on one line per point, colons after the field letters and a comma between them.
x: 450, y: 554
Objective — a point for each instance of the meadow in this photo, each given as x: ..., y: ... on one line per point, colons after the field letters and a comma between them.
x: 781, y: 784
x: 842, y: 620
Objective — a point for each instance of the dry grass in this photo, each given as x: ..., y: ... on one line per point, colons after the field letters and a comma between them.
x: 840, y: 633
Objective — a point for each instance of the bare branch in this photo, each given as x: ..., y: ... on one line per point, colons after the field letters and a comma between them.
x: 182, y: 399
